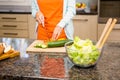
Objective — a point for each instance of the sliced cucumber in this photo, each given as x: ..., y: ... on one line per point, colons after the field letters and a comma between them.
x: 41, y: 45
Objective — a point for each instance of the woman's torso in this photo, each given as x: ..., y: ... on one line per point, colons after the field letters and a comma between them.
x: 52, y: 11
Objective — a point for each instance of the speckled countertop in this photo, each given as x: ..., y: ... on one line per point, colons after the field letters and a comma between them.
x: 27, y: 67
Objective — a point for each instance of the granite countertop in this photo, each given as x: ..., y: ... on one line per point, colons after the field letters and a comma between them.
x: 27, y: 66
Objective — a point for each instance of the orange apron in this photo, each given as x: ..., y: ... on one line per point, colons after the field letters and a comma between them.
x: 52, y: 11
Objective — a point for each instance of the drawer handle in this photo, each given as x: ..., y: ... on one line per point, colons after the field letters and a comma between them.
x: 10, y: 33
x: 8, y: 18
x: 9, y: 25
x: 85, y: 20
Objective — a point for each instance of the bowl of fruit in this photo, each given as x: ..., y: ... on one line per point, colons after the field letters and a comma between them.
x: 83, y: 53
x: 80, y: 6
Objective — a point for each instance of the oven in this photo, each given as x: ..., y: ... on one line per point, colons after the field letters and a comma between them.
x: 109, y: 8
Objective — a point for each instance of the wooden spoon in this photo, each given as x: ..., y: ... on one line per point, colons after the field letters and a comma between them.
x: 108, y: 32
x: 108, y: 28
x: 104, y: 32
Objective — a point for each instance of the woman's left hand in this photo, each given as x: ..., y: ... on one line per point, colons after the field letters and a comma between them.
x: 56, y: 33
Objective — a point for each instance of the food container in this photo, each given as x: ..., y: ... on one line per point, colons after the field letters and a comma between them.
x: 83, y: 63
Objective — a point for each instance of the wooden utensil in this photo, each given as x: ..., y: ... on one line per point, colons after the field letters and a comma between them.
x: 104, y: 32
x: 108, y: 28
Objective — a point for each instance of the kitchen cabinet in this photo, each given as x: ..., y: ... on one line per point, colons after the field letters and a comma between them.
x: 31, y: 24
x: 114, y: 35
x: 85, y: 26
x: 14, y: 25
x: 17, y: 25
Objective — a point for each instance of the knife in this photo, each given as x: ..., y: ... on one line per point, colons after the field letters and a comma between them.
x: 43, y: 24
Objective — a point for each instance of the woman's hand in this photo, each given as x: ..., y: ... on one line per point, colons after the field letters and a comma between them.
x: 56, y: 33
x: 40, y: 18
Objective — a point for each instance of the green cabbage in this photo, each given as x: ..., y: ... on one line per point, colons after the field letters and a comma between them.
x: 83, y: 52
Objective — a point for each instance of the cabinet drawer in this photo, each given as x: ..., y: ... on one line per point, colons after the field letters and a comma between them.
x: 14, y: 33
x: 13, y: 25
x: 13, y: 17
x: 114, y: 35
x: 85, y: 26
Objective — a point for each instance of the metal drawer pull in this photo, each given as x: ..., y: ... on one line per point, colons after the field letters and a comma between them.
x: 8, y: 18
x: 9, y: 25
x: 85, y: 20
x: 10, y: 33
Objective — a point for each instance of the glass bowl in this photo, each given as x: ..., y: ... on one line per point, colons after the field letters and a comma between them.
x: 82, y: 59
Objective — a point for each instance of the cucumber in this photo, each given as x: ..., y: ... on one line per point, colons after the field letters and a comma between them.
x: 58, y: 43
x: 41, y: 45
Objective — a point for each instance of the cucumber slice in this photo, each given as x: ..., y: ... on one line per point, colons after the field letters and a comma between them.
x: 41, y: 45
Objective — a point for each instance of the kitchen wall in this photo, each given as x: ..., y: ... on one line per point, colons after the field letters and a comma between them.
x: 15, y: 2
x: 15, y: 6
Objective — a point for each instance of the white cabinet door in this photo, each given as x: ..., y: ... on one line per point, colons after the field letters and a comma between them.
x: 114, y: 36
x: 85, y: 26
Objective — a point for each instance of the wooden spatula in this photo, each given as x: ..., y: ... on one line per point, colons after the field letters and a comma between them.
x: 104, y: 32
x: 108, y: 28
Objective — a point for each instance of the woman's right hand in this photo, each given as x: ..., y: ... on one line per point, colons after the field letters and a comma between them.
x: 40, y: 18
